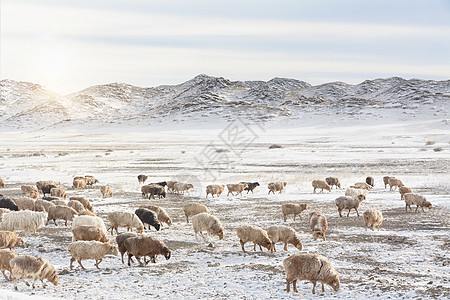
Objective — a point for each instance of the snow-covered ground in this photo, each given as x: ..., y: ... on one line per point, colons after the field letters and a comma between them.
x: 408, y: 259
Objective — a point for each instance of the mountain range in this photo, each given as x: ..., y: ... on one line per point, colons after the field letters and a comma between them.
x: 25, y: 105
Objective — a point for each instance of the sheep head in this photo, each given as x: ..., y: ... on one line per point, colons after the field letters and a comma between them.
x: 267, y: 243
x: 427, y: 204
x: 334, y: 282
x: 167, y: 254
x: 361, y: 198
x: 20, y: 243
x: 140, y: 229
x: 110, y: 249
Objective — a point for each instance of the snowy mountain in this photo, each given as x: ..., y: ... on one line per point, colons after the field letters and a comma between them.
x: 204, y: 98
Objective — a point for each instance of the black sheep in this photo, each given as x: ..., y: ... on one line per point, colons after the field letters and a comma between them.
x: 142, y: 178
x: 9, y: 204
x: 148, y: 217
x: 46, y: 188
x: 370, y: 181
x: 250, y: 186
x: 162, y: 183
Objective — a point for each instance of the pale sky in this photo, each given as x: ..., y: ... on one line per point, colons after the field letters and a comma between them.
x: 70, y: 45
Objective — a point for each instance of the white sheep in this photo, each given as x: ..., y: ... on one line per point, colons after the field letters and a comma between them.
x: 362, y: 185
x: 204, y: 221
x: 281, y: 233
x: 28, y: 221
x: 353, y: 192
x: 312, y: 267
x: 347, y: 202
x: 191, y: 209
x: 255, y: 234
x: 106, y: 191
x: 373, y: 218
x: 89, y: 220
x: 416, y: 199
x: 318, y: 224
x: 179, y: 187
x: 125, y: 219
x: 292, y: 209
x: 80, y: 250
x: 3, y: 211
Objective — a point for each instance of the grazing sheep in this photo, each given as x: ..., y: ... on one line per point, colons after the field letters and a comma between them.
x: 75, y: 204
x: 403, y: 190
x: 2, y: 183
x: 318, y: 224
x: 120, y: 239
x: 255, y: 234
x: 352, y: 192
x: 370, y: 181
x: 191, y: 209
x: 90, y: 180
x: 182, y: 187
x: 86, y: 203
x: 170, y: 186
x: 60, y: 212
x: 347, y: 202
x: 276, y: 187
x: 140, y: 246
x: 204, y: 221
x: 293, y: 209
x: 373, y: 218
x: 57, y: 192
x: 148, y: 217
x: 394, y: 183
x: 386, y: 181
x: 27, y: 266
x: 125, y: 219
x: 47, y: 188
x: 106, y: 191
x: 40, y: 184
x: 28, y: 221
x: 142, y: 178
x: 88, y: 233
x: 5, y: 258
x: 79, y: 183
x: 320, y: 184
x: 80, y: 250
x: 416, y: 199
x: 30, y: 191
x: 8, y: 203
x: 162, y: 215
x: 89, y: 220
x: 24, y: 203
x: 43, y: 205
x: 312, y: 267
x: 238, y: 188
x: 9, y: 239
x: 153, y: 189
x: 214, y: 189
x: 281, y: 233
x: 333, y: 181
x: 250, y: 186
x: 361, y: 185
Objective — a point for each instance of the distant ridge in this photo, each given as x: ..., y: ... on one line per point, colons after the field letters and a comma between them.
x: 26, y: 105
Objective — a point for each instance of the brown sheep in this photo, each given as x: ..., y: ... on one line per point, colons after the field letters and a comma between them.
x: 394, y: 183
x: 255, y: 234
x: 238, y: 188
x: 9, y: 239
x: 276, y: 187
x: 88, y: 233
x: 75, y: 204
x: 5, y: 258
x: 333, y: 181
x: 214, y: 189
x: 373, y: 218
x: 79, y: 183
x: 27, y: 266
x: 30, y: 191
x: 312, y: 267
x: 80, y: 250
x: 120, y: 239
x: 320, y: 184
x: 281, y: 233
x: 191, y: 209
x: 57, y: 192
x: 386, y: 181
x: 145, y: 246
x: 106, y: 191
x: 404, y: 190
x: 40, y: 184
x: 293, y: 209
x: 2, y: 183
x: 318, y: 224
x: 86, y: 203
x: 60, y: 212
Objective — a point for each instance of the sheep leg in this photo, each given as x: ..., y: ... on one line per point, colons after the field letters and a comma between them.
x: 285, y: 247
x: 406, y: 207
x: 79, y: 262
x: 260, y: 249
x: 323, y: 287
x: 129, y: 259
x: 201, y: 233
x: 339, y: 210
x: 97, y: 262
x: 323, y: 235
x: 71, y: 261
x: 195, y: 235
x: 26, y: 282
x: 34, y: 281
x: 139, y: 261
x: 54, y: 220
x: 357, y: 213
x: 314, y: 191
x: 349, y: 212
x: 242, y: 245
x: 121, y: 253
x: 314, y: 287
x: 5, y: 276
x: 287, y: 286
x: 187, y: 219
x: 65, y: 223
x: 294, y: 285
x: 274, y: 248
x: 43, y: 284
x: 284, y: 217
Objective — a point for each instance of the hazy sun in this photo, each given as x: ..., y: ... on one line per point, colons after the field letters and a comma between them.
x: 52, y: 65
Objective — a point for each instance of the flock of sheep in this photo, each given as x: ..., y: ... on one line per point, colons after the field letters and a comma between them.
x: 90, y: 240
